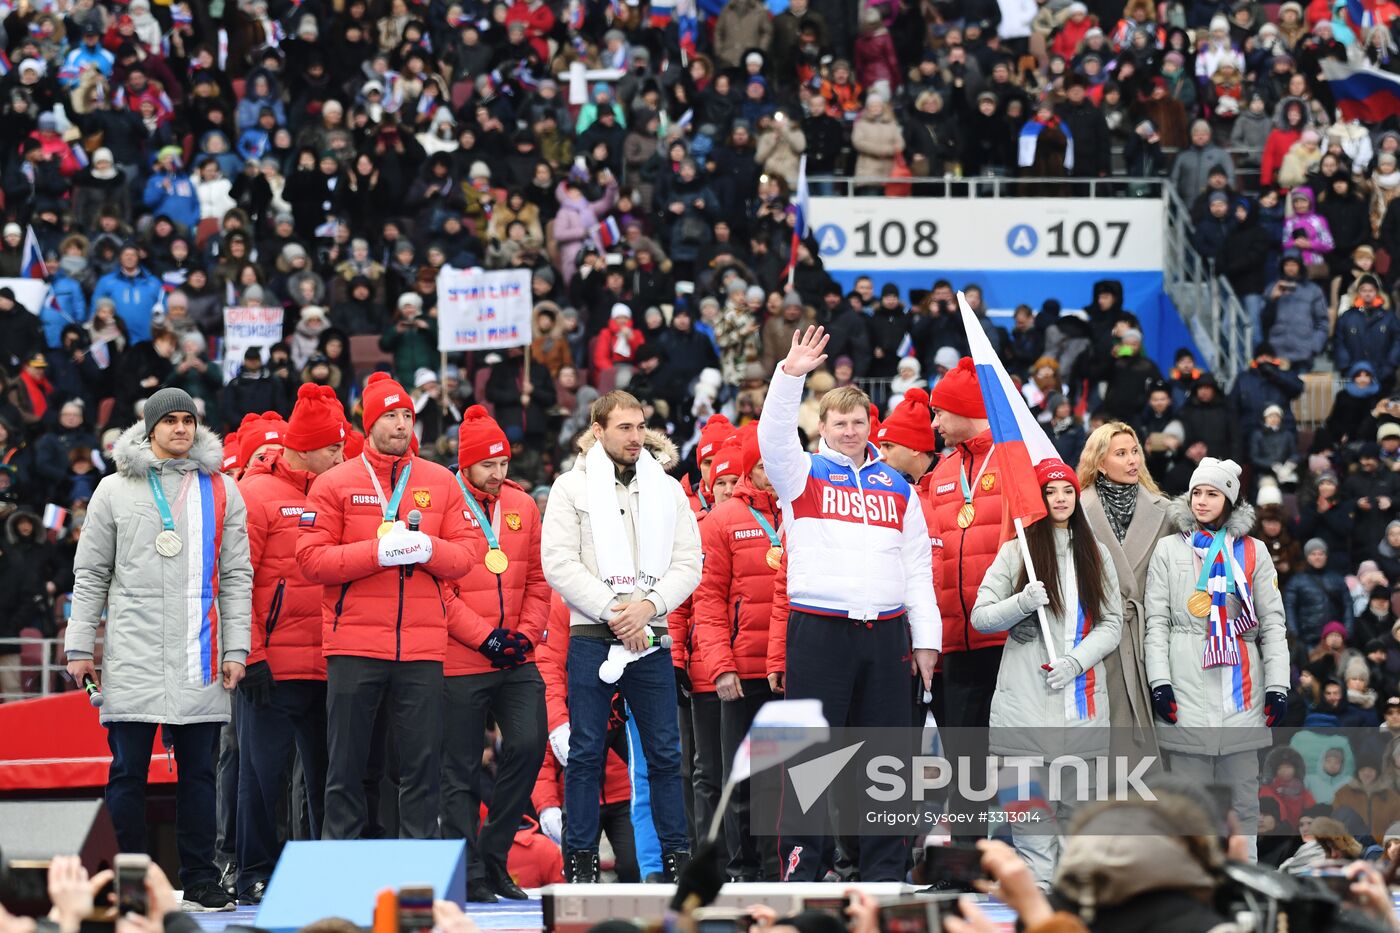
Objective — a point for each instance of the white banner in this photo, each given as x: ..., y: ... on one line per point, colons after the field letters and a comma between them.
x: 991, y: 234
x: 28, y: 292
x: 483, y: 310
x: 244, y: 328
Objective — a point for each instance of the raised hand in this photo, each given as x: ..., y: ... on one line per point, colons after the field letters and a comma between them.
x: 807, y: 351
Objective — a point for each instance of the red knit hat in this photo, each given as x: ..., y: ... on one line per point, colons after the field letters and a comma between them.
x: 480, y: 438
x: 256, y: 431
x: 748, y: 442
x: 382, y: 394
x: 711, y: 436
x: 729, y: 460
x: 910, y: 423
x: 318, y: 420
x: 354, y: 442
x: 230, y: 452
x: 958, y: 392
x: 1049, y: 471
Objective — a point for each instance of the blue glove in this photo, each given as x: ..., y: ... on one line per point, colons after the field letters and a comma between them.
x: 1275, y: 707
x: 1164, y: 702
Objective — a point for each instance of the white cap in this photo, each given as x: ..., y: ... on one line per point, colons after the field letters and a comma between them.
x: 423, y: 376
x: 621, y: 310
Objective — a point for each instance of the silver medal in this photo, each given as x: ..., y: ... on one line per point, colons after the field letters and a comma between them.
x: 168, y: 544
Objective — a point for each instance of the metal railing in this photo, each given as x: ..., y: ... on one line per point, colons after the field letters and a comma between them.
x: 41, y: 670
x: 992, y: 186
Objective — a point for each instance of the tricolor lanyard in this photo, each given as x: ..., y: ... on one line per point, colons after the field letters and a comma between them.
x: 487, y: 528
x: 391, y: 508
x: 962, y: 477
x: 1217, y: 546
x: 167, y: 517
x: 767, y: 528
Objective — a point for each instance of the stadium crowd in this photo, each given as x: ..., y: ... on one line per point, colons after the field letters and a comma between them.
x: 328, y: 158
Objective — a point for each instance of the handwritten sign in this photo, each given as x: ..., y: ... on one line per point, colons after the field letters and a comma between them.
x: 246, y: 328
x: 483, y: 310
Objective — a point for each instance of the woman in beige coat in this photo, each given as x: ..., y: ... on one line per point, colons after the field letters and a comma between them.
x: 1128, y: 515
x: 877, y: 139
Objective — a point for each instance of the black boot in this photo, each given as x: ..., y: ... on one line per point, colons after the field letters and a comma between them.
x: 581, y: 867
x: 672, y: 864
x: 480, y: 892
x: 501, y: 882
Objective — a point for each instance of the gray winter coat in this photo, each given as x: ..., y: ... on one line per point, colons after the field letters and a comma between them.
x: 157, y: 654
x: 1301, y: 323
x: 1129, y: 698
x: 1024, y: 705
x: 1176, y: 642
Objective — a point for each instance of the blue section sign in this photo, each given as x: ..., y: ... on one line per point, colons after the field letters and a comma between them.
x: 831, y: 240
x: 1022, y: 240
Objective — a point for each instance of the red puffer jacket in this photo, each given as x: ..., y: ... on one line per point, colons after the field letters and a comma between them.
x: 371, y: 611
x: 482, y: 601
x: 734, y: 600
x: 685, y: 650
x: 778, y: 620
x: 286, y: 605
x: 551, y: 655
x: 962, y: 555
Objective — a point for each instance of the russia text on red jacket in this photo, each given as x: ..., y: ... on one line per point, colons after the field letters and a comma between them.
x: 734, y: 600
x: 964, y: 554
x: 371, y: 611
x: 481, y: 600
x: 286, y: 605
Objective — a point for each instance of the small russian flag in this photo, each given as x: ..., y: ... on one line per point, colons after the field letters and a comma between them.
x: 1366, y: 94
x: 608, y: 233
x: 31, y: 264
x: 80, y: 154
x: 4, y: 63
x: 55, y: 517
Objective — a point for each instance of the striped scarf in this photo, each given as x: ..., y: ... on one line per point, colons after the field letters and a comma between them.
x: 1079, y: 696
x: 1223, y: 562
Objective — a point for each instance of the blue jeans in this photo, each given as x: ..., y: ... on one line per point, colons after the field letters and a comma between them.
x: 195, y: 748
x: 1254, y: 306
x: 649, y: 687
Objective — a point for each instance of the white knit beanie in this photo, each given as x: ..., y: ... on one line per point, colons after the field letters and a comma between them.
x: 1221, y: 474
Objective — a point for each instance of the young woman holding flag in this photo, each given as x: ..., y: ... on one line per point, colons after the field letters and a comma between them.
x: 1039, y: 690
x: 1216, y: 645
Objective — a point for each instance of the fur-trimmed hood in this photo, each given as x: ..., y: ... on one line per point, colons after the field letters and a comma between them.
x: 659, y: 444
x: 134, y: 459
x: 1240, y: 524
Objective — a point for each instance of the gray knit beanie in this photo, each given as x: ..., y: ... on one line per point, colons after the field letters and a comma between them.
x: 1224, y: 475
x: 164, y: 402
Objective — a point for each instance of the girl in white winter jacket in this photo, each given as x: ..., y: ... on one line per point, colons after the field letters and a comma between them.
x: 1051, y: 703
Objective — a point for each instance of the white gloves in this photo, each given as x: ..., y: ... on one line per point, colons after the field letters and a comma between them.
x: 401, y: 546
x: 610, y: 671
x: 552, y: 824
x: 559, y: 744
x: 1063, y: 671
x: 1032, y: 597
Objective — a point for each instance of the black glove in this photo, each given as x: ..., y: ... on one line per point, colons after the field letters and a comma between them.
x: 701, y: 879
x: 1164, y: 702
x: 505, y: 648
x: 1275, y: 707
x: 257, y: 684
x: 682, y: 681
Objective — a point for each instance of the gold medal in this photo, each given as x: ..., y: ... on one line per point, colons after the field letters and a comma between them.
x: 1198, y: 604
x: 496, y: 561
x: 774, y: 557
x: 385, y: 527
x: 168, y: 544
x: 966, y: 515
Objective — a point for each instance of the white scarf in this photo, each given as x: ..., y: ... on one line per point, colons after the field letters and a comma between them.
x: 654, y: 522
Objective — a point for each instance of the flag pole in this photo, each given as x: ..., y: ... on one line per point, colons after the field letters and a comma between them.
x: 1030, y: 575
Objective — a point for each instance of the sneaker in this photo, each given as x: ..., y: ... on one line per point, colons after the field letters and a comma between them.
x: 254, y: 895
x: 581, y: 867
x: 228, y: 878
x: 672, y: 864
x: 207, y: 897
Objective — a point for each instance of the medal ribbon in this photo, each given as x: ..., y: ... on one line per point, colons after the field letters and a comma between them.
x: 492, y: 542
x: 391, y: 508
x: 167, y: 517
x: 767, y: 528
x: 962, y: 479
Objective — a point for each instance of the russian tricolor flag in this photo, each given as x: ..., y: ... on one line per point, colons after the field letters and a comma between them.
x: 55, y: 516
x: 31, y: 263
x: 608, y: 233
x: 1366, y: 94
x: 1020, y: 442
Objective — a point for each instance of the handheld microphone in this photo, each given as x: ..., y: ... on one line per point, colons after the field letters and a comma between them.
x: 94, y: 694
x: 414, y: 518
